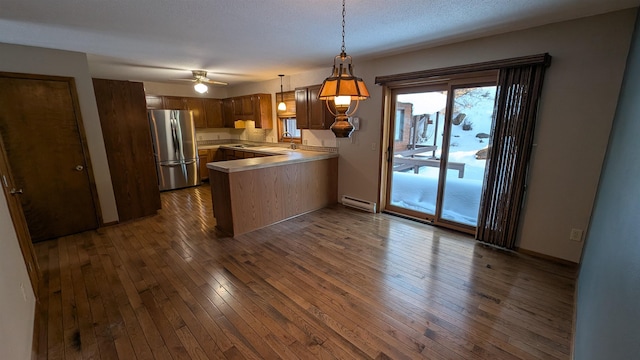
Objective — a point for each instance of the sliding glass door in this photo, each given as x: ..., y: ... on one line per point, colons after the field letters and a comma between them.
x: 418, y: 123
x: 438, y: 146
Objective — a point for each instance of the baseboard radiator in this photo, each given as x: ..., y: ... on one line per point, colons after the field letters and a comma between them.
x: 358, y: 204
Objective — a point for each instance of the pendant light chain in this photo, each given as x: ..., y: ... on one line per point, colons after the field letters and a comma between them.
x: 344, y: 49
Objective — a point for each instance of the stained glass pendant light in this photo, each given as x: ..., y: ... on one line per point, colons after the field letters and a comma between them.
x: 344, y: 89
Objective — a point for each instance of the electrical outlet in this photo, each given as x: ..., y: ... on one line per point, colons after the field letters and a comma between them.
x: 199, y: 137
x: 304, y: 142
x: 575, y: 235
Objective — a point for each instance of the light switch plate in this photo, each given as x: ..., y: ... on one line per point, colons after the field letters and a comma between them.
x: 355, y: 121
x: 575, y: 235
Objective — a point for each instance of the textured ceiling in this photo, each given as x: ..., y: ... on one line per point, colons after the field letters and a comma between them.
x: 241, y: 40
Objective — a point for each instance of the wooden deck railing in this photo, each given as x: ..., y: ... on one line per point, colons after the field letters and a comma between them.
x: 406, y: 160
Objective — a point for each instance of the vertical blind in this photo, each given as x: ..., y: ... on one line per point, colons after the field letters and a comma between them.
x: 510, y: 144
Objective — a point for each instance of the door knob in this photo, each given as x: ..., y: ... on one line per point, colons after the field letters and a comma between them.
x: 15, y: 191
x: 79, y: 168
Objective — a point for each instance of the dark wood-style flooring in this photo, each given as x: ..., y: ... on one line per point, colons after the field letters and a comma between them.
x: 333, y: 284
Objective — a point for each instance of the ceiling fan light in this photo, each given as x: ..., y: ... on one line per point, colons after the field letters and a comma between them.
x: 200, y: 87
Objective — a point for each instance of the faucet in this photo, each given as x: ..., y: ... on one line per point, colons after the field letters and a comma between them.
x: 287, y: 134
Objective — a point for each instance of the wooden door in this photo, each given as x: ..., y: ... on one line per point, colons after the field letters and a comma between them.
x: 127, y: 140
x: 41, y: 129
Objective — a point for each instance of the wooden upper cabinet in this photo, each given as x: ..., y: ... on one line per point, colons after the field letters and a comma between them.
x: 154, y: 102
x: 243, y: 107
x: 213, y: 113
x: 262, y: 111
x: 174, y: 103
x: 228, y: 116
x: 302, y: 109
x: 218, y: 113
x: 256, y: 107
x: 311, y: 113
x: 196, y: 106
x: 319, y: 116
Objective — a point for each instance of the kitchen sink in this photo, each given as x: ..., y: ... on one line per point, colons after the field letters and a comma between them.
x: 242, y: 146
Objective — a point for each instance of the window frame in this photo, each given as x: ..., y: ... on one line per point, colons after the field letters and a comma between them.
x: 281, y: 130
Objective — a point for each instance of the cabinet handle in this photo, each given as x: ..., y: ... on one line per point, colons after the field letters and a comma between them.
x: 15, y: 191
x: 79, y: 167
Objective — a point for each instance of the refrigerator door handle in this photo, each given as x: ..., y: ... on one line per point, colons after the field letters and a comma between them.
x: 179, y: 164
x: 174, y: 137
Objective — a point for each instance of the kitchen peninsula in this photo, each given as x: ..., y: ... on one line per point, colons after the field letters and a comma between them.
x: 278, y: 184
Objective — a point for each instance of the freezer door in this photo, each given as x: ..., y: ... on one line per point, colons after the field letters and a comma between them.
x: 173, y: 135
x: 176, y: 175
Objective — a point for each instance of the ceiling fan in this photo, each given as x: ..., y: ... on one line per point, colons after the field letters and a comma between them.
x: 201, y: 80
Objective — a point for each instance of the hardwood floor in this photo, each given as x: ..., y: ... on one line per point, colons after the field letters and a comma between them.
x: 333, y: 284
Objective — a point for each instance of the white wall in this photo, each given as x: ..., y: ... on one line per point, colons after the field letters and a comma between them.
x: 607, y: 312
x: 576, y: 111
x: 33, y: 60
x: 18, y: 311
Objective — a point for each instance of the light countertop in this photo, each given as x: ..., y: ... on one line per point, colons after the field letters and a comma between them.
x: 280, y: 156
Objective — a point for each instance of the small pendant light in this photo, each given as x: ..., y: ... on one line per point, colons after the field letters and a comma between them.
x: 281, y: 105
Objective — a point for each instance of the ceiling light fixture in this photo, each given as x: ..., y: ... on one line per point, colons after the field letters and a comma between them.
x: 200, y: 87
x: 281, y: 105
x: 343, y: 88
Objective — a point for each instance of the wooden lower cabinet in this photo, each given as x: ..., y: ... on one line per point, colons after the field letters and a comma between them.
x: 207, y: 156
x: 203, y: 158
x: 232, y: 154
x: 262, y: 197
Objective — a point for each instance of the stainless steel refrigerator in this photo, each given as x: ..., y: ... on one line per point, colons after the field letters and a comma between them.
x: 174, y: 148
